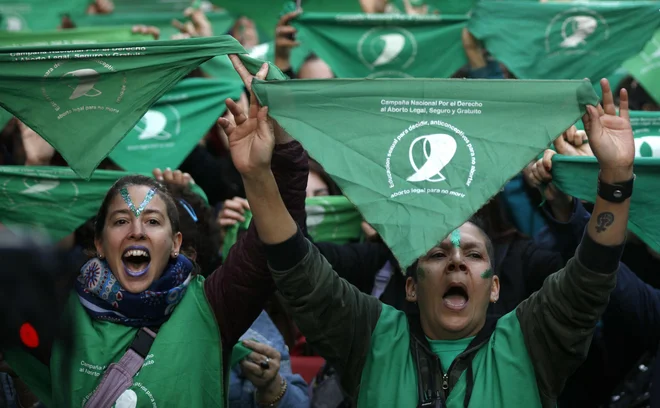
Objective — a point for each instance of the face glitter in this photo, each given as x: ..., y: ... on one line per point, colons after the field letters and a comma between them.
x: 131, y: 206
x: 456, y: 238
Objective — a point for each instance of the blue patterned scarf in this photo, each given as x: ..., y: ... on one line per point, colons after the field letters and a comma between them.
x: 104, y: 299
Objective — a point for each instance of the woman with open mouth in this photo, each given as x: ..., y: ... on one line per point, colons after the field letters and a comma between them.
x: 149, y: 330
x: 446, y: 352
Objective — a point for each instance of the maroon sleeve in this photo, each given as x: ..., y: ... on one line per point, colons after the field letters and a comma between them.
x: 239, y: 289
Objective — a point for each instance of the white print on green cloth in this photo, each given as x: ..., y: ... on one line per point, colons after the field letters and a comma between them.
x: 435, y: 107
x: 428, y: 154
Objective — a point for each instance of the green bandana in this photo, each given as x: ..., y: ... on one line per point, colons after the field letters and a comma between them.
x: 564, y: 40
x: 385, y: 45
x: 645, y: 67
x: 54, y: 200
x: 144, y: 6
x: 37, y: 15
x: 5, y: 117
x: 172, y: 127
x: 434, y: 6
x: 84, y: 99
x: 329, y: 219
x: 221, y: 21
x: 71, y: 37
x: 577, y: 177
x: 419, y: 157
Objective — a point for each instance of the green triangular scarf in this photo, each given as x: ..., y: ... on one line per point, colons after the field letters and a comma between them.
x: 645, y: 67
x: 385, y: 45
x: 84, y: 99
x: 564, y: 40
x: 221, y: 21
x: 434, y: 6
x: 419, y: 157
x: 174, y: 125
x: 329, y: 219
x: 54, y: 200
x: 71, y: 37
x: 37, y: 15
x: 577, y: 176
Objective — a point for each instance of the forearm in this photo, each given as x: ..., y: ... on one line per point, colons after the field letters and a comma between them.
x: 609, y: 221
x: 272, y: 219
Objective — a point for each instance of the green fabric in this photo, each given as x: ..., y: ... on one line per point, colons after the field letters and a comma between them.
x: 172, y: 127
x: 264, y: 14
x: 434, y: 6
x: 266, y: 52
x: 577, y: 176
x: 503, y: 373
x: 165, y: 379
x: 5, y: 117
x: 448, y: 350
x: 542, y: 40
x: 329, y: 219
x: 113, y: 87
x: 385, y: 45
x: 54, y: 200
x: 141, y: 6
x: 71, y: 37
x: 239, y: 353
x: 401, y: 186
x: 645, y: 67
x: 333, y: 219
x: 37, y: 15
x: 220, y: 21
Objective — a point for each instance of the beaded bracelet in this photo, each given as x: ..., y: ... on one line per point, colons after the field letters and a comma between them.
x: 277, y: 399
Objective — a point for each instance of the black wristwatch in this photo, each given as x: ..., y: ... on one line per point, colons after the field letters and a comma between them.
x: 617, y: 192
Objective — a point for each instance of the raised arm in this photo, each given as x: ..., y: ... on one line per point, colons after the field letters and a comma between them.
x: 238, y: 290
x: 558, y: 321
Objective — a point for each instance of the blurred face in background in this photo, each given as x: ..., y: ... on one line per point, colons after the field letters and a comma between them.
x: 315, y: 68
x: 316, y: 187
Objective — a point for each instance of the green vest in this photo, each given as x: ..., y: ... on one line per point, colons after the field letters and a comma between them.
x: 503, y: 372
x: 183, y: 368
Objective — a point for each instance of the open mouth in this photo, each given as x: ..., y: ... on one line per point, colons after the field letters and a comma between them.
x: 136, y: 260
x: 456, y: 297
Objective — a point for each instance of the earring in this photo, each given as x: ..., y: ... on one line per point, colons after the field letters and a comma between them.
x: 175, y: 255
x: 413, y: 294
x: 101, y: 257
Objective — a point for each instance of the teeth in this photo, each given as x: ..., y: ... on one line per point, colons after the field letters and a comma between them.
x: 136, y: 252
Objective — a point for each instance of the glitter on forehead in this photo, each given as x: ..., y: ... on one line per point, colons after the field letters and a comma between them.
x: 456, y: 238
x: 129, y: 202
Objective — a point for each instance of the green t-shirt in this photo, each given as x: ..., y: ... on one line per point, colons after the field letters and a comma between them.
x: 448, y: 350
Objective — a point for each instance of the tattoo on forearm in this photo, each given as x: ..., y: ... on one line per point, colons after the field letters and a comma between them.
x: 603, y: 221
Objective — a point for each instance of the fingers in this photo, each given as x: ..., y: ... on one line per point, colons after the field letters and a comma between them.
x: 146, y: 30
x: 608, y: 98
x: 547, y: 160
x: 158, y: 174
x: 227, y: 126
x: 173, y: 177
x: 285, y: 19
x: 594, y: 129
x: 237, y: 111
x: 262, y: 348
x: 623, y: 104
x: 245, y: 75
x: 230, y: 215
x: 263, y: 72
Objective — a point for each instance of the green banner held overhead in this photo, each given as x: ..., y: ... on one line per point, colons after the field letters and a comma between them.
x: 172, y: 127
x: 577, y: 176
x: 385, y: 45
x: 37, y: 15
x: 433, y: 6
x: 564, y: 40
x: 84, y: 99
x: 329, y: 219
x: 221, y: 21
x: 419, y: 157
x: 53, y: 200
x: 645, y: 67
x: 71, y: 37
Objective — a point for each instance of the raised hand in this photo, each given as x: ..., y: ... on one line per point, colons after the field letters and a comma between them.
x: 611, y: 136
x: 38, y: 152
x: 176, y: 177
x: 251, y: 138
x: 146, y: 30
x: 285, y: 40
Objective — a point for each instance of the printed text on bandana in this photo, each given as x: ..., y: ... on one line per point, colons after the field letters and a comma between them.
x: 433, y: 107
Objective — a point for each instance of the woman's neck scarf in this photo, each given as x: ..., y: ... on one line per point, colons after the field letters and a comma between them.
x: 104, y: 299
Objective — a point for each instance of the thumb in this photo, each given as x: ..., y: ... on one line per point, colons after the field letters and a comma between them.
x: 562, y: 146
x: 595, y: 127
x: 547, y: 159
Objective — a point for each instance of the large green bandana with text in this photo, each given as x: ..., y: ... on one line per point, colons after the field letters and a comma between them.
x: 84, y: 99
x: 385, y: 45
x: 578, y: 176
x: 174, y: 124
x: 53, y: 200
x: 564, y: 40
x: 419, y: 157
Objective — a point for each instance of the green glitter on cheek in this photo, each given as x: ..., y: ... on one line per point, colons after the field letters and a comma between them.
x: 488, y: 274
x: 456, y: 238
x: 421, y: 273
